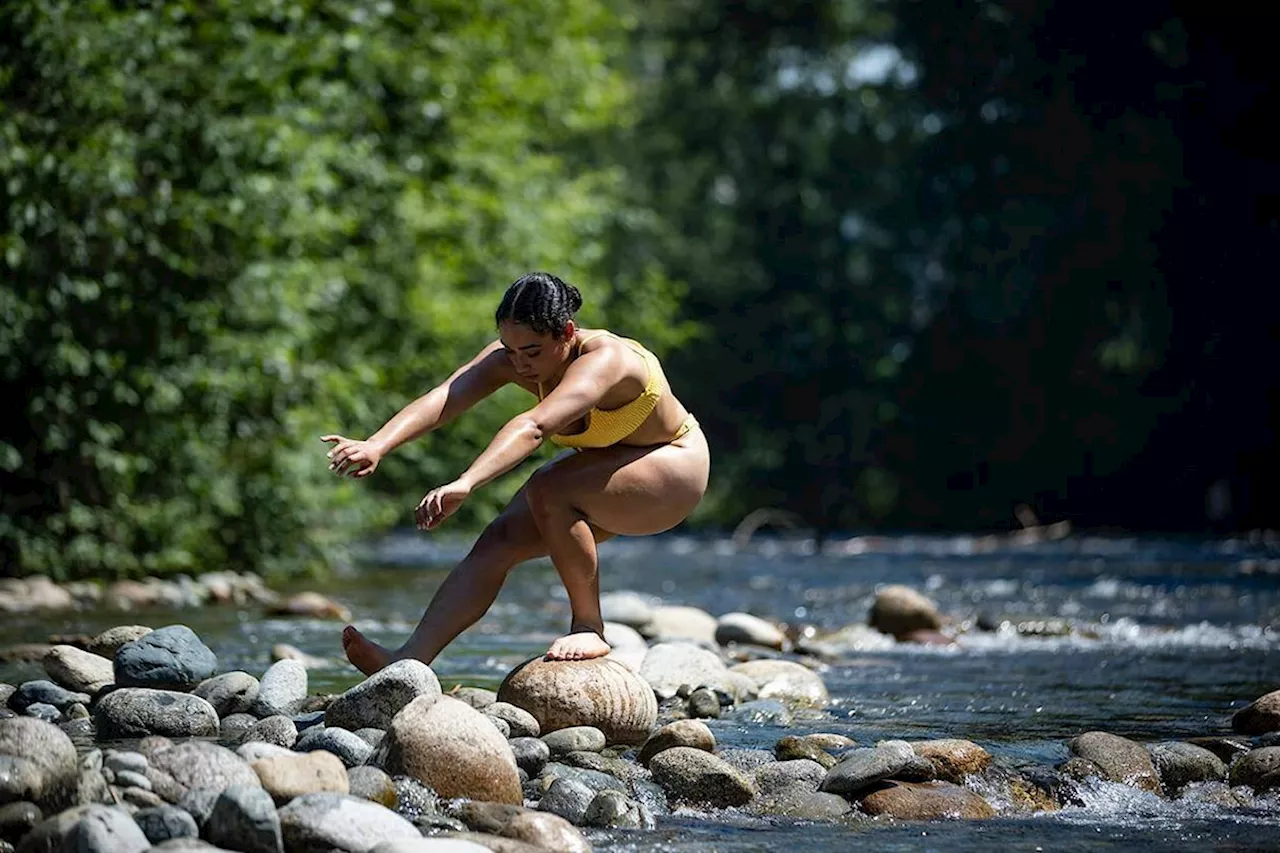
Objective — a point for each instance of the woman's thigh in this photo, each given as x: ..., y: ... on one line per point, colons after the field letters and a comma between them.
x: 515, y: 532
x: 629, y: 491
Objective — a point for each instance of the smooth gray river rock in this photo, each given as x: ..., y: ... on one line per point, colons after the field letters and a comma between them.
x: 340, y: 822
x: 162, y: 823
x: 860, y: 769
x: 169, y: 658
x: 176, y: 769
x: 352, y: 749
x: 42, y: 692
x: 568, y: 798
x: 140, y: 711
x: 375, y: 701
x: 229, y: 693
x: 281, y: 690
x: 244, y: 818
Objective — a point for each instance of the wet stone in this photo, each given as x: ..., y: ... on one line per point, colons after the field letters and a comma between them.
x: 41, y: 711
x: 17, y: 819
x: 162, y: 823
x: 244, y: 818
x: 348, y: 746
x: 704, y: 704
x: 746, y: 760
x: 791, y: 748
x: 229, y: 693
x: 1181, y: 764
x: 42, y: 692
x: 574, y: 739
x: 612, y: 809
x: 532, y: 754
x: 372, y: 783
x: 281, y: 691
x: 169, y: 658
x: 860, y: 769
x: 567, y: 798
x: 520, y: 722
x: 277, y: 730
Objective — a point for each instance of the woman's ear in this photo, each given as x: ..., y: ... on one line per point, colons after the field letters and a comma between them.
x: 570, y: 329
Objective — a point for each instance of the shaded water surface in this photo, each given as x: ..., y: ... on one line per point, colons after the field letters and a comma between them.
x: 1152, y: 639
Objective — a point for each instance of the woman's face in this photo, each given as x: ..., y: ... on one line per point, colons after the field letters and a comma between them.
x: 535, y: 356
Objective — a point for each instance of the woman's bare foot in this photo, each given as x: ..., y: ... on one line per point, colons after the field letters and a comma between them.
x: 581, y: 645
x: 364, y: 654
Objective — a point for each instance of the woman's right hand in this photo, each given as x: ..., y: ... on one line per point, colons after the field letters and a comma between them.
x: 352, y: 457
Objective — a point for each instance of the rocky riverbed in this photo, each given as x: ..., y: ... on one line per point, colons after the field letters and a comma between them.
x: 136, y: 739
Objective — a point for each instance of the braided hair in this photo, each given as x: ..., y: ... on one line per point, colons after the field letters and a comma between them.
x: 540, y: 301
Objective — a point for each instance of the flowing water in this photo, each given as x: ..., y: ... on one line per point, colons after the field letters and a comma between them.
x: 1151, y: 639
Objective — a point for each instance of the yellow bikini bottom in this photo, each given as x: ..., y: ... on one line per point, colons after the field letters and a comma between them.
x: 689, y: 423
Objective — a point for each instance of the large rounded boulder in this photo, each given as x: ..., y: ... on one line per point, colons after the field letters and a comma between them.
x: 601, y: 693
x: 451, y: 748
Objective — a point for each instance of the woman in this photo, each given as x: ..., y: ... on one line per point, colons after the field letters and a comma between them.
x: 641, y: 465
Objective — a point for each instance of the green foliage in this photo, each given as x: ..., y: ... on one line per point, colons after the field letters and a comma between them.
x: 233, y: 227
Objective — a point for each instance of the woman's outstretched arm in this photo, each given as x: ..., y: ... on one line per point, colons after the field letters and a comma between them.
x: 468, y: 385
x: 585, y: 382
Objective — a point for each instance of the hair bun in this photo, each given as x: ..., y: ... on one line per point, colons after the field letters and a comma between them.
x: 573, y: 297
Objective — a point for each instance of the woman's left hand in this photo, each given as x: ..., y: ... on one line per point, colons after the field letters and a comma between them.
x: 441, y: 503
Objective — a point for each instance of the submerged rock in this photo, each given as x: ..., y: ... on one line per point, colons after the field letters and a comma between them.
x: 600, y: 693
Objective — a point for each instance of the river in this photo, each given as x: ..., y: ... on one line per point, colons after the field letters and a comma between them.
x: 1153, y: 639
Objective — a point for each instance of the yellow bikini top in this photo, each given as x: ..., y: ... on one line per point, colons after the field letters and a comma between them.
x: 610, y: 426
